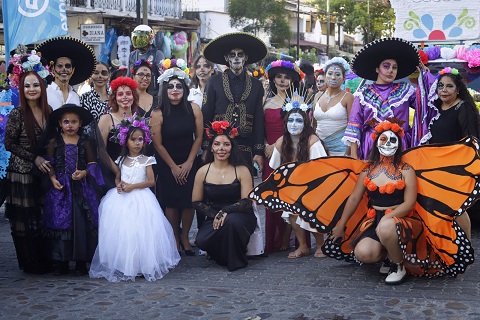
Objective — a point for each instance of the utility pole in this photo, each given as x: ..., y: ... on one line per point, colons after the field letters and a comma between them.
x: 298, y: 29
x: 138, y: 12
x: 145, y: 12
x: 328, y: 27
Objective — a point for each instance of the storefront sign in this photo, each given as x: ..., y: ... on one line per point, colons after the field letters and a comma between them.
x: 92, y: 33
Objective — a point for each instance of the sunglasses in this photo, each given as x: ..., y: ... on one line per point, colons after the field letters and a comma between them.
x: 144, y: 75
x: 177, y: 86
x: 66, y: 65
x: 103, y: 73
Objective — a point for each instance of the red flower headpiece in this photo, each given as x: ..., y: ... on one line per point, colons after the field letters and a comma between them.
x: 221, y: 127
x: 123, y: 81
x: 392, y: 124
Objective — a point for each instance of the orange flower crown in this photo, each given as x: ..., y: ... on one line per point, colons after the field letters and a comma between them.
x: 392, y: 124
x: 219, y: 128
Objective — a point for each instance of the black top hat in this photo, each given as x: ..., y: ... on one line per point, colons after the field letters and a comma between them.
x: 216, y: 50
x: 372, y: 54
x: 84, y: 115
x: 78, y: 51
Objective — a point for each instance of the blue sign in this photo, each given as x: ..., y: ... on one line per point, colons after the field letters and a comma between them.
x: 29, y: 21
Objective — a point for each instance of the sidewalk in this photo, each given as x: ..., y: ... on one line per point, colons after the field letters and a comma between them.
x: 269, y: 288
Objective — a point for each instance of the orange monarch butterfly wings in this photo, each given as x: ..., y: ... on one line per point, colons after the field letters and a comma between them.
x: 448, y: 178
x: 317, y: 190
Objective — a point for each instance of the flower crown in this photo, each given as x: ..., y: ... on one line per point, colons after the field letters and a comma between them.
x: 175, y: 63
x: 174, y: 72
x: 338, y: 61
x: 138, y: 63
x: 221, y: 127
x: 120, y: 131
x: 285, y: 64
x: 392, y: 124
x: 33, y: 63
x: 447, y: 70
x: 123, y: 81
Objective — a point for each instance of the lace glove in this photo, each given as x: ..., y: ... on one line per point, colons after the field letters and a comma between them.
x: 244, y: 206
x: 204, y: 209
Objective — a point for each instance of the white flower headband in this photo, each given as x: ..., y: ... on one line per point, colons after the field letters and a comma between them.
x: 174, y: 72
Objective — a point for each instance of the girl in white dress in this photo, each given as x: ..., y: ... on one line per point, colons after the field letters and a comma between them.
x: 333, y: 108
x: 298, y: 143
x: 135, y: 238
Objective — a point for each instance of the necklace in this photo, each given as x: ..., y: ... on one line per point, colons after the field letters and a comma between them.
x: 221, y: 174
x: 329, y: 98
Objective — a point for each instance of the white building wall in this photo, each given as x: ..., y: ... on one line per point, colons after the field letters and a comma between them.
x: 205, y: 5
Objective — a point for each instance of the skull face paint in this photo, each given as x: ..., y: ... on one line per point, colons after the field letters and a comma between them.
x: 295, y: 124
x: 387, y: 143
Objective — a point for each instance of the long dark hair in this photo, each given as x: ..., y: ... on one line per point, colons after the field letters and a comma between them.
x: 142, y: 63
x: 195, y: 82
x: 124, y: 151
x: 28, y: 117
x: 164, y: 102
x: 286, y: 154
x: 374, y: 156
x: 235, y: 158
x: 462, y: 94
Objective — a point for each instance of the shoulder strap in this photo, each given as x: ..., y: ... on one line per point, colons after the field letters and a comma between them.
x: 236, y: 173
x: 343, y: 96
x: 208, y: 169
x: 111, y: 117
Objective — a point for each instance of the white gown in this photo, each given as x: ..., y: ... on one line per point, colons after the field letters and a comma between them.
x: 134, y: 237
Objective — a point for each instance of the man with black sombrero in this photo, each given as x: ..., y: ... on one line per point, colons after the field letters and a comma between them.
x: 235, y: 96
x: 73, y: 62
x: 382, y: 61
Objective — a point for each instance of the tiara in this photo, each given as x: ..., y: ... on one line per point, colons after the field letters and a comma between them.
x: 120, y: 130
x: 392, y: 124
x: 220, y: 128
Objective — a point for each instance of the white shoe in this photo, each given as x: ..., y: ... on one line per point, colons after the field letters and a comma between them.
x: 201, y: 252
x: 397, y: 274
x: 385, y: 268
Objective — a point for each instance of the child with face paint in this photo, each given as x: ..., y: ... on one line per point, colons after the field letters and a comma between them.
x: 71, y: 203
x: 147, y: 245
x: 382, y: 61
x: 298, y: 143
x: 391, y: 187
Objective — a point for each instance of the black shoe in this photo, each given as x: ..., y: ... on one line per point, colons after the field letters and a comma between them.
x: 61, y: 268
x: 81, y: 268
x: 189, y: 252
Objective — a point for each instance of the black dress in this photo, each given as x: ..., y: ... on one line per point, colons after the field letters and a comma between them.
x: 178, y: 130
x: 227, y: 245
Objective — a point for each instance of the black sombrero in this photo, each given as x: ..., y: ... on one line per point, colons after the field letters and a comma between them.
x: 372, y: 54
x: 253, y: 47
x: 81, y: 54
x: 84, y: 115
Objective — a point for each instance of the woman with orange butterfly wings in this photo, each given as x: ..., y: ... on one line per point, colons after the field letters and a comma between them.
x: 431, y: 241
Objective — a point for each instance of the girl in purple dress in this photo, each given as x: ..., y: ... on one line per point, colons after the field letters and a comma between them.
x: 71, y: 204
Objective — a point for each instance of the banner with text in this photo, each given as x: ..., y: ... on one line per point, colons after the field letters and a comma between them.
x: 29, y: 21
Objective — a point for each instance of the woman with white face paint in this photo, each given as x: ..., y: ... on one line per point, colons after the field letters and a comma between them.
x: 283, y: 78
x: 298, y: 143
x: 391, y: 187
x: 333, y: 108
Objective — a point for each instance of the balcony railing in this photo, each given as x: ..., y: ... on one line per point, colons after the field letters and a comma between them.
x: 162, y: 8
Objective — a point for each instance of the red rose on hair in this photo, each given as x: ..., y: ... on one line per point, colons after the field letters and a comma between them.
x: 207, y: 131
x: 233, y: 133
x: 216, y: 126
x: 224, y: 125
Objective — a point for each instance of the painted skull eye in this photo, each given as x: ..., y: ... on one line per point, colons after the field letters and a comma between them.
x: 383, y: 138
x: 393, y: 140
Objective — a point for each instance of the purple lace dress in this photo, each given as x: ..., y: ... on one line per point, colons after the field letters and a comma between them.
x: 71, y: 214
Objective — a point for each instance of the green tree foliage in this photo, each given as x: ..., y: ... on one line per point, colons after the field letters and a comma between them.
x: 256, y: 15
x: 354, y: 14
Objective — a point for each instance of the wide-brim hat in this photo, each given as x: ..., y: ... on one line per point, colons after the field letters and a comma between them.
x: 78, y: 51
x: 84, y: 115
x: 216, y: 50
x: 286, y: 67
x: 372, y: 54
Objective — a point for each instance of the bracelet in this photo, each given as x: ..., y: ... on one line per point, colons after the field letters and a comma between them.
x: 219, y: 215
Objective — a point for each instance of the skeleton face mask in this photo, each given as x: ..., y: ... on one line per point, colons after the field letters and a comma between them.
x: 387, y: 143
x: 236, y: 59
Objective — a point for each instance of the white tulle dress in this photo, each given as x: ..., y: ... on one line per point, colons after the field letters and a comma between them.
x: 134, y: 238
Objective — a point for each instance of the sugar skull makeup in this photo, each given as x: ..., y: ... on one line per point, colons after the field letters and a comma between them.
x: 295, y: 124
x: 387, y: 143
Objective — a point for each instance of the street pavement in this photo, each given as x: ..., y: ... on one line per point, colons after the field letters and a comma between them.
x: 269, y: 288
